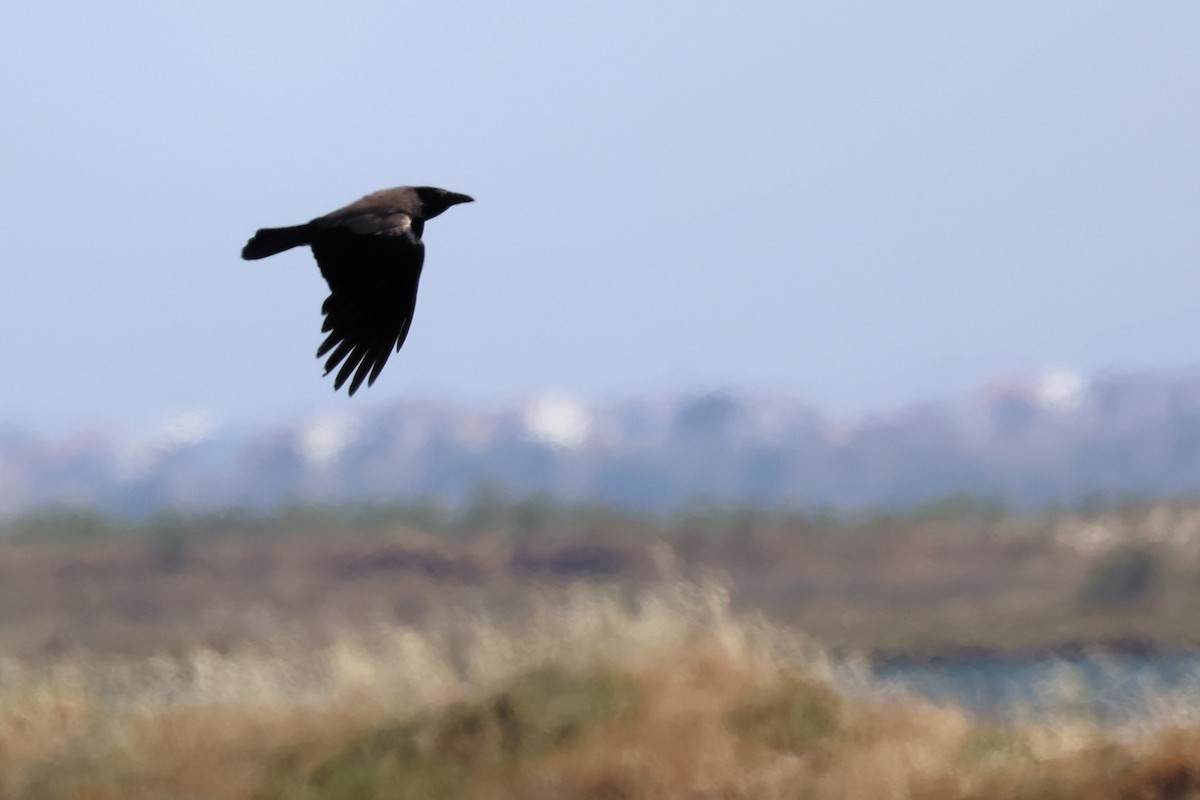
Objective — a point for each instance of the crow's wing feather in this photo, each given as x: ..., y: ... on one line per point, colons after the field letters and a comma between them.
x: 372, y: 263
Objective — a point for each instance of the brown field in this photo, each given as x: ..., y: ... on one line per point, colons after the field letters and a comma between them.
x: 586, y: 656
x: 946, y: 578
x: 669, y: 695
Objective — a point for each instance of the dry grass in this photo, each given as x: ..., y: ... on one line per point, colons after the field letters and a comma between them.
x: 585, y: 695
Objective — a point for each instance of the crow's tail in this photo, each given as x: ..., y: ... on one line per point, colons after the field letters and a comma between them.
x: 269, y: 241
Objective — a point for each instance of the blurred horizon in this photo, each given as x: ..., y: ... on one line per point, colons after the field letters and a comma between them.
x: 1049, y: 384
x: 1054, y: 439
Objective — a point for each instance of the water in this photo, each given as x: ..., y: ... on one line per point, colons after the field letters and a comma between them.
x: 1113, y: 689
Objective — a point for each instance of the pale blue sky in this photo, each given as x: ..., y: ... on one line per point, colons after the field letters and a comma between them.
x: 856, y: 202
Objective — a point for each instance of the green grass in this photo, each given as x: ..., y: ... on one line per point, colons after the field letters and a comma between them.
x: 488, y: 742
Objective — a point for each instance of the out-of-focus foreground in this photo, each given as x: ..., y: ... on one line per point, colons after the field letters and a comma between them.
x: 537, y: 650
x: 667, y: 695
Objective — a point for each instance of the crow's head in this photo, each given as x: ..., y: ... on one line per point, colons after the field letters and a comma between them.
x: 435, y: 201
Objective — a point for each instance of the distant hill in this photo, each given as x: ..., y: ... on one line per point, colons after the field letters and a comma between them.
x: 1049, y: 438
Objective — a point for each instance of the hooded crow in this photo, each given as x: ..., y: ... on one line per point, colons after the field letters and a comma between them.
x: 370, y: 253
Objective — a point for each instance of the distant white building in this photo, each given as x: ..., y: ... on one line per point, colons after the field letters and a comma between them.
x: 557, y: 420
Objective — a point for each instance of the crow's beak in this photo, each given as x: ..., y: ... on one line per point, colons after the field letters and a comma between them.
x: 456, y: 198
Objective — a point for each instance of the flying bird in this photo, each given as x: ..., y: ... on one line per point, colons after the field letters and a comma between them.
x: 370, y: 253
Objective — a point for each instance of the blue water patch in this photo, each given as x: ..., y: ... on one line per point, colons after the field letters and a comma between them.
x: 1106, y: 688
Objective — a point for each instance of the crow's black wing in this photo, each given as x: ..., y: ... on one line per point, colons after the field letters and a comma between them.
x: 372, y: 263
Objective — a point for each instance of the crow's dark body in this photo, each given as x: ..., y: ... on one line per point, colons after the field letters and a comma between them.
x: 370, y: 253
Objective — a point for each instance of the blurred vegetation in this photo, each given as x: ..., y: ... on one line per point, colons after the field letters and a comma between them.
x: 668, y: 696
x: 793, y: 715
x: 488, y: 511
x: 489, y: 741
x: 62, y: 525
x: 957, y: 572
x: 1129, y: 575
